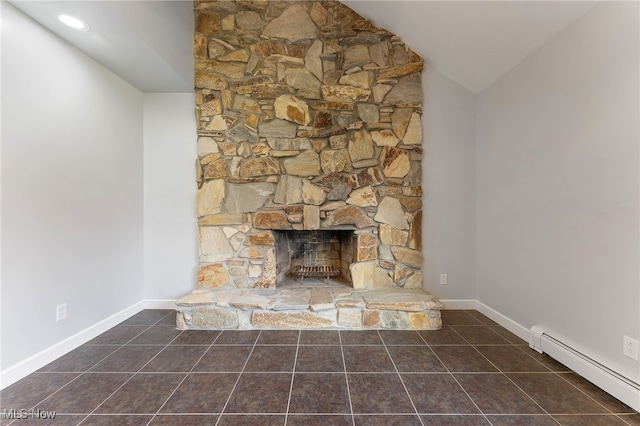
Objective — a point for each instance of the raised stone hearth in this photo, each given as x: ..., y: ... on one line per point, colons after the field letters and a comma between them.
x: 309, y: 308
x: 309, y: 124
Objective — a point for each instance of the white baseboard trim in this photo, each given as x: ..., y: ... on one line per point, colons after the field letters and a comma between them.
x: 459, y: 303
x: 22, y: 369
x: 514, y: 327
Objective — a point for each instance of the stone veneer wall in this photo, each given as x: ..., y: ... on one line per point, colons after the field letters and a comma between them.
x: 308, y: 118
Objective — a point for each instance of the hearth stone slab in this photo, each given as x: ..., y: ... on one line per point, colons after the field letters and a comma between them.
x: 309, y: 308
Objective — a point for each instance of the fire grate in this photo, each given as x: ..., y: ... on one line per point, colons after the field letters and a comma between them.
x: 323, y: 272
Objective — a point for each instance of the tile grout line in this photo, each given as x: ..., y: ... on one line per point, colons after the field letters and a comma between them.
x: 89, y: 371
x: 293, y: 374
x: 415, y: 409
x: 239, y: 376
x: 346, y: 378
x: 185, y: 377
x: 456, y: 380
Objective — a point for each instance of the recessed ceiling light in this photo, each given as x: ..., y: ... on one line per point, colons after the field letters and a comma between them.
x: 73, y: 22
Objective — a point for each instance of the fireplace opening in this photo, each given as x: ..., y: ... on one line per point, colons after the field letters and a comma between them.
x: 314, y: 258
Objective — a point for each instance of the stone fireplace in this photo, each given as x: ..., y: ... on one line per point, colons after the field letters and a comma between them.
x: 308, y: 169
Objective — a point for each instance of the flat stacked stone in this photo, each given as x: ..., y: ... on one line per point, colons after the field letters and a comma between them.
x: 318, y: 308
x: 308, y: 118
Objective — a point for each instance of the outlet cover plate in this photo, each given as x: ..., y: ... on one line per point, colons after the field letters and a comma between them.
x: 630, y: 347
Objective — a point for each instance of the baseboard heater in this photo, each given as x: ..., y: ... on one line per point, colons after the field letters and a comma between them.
x: 621, y: 387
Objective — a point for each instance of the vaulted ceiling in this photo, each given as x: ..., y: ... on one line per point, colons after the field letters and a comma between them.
x: 149, y: 43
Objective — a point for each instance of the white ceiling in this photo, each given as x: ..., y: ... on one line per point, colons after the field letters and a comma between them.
x: 149, y: 42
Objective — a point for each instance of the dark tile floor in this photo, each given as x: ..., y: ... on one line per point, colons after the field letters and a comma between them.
x: 472, y: 372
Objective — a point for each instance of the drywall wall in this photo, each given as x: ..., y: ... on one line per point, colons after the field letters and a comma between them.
x: 558, y: 187
x: 71, y: 190
x: 170, y: 225
x: 449, y: 187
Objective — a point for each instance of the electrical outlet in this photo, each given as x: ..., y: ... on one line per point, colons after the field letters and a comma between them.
x: 630, y: 347
x: 444, y: 279
x: 61, y: 312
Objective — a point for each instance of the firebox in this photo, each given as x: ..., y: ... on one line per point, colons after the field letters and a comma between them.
x: 311, y: 258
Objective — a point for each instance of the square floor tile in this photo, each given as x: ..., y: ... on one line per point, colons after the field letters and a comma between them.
x: 480, y: 335
x: 149, y: 317
x: 196, y: 337
x: 360, y: 337
x: 496, y: 394
x: 462, y: 359
x: 523, y: 420
x: 438, y: 393
x: 271, y: 358
x: 319, y: 393
x: 319, y: 420
x: 445, y: 336
x: 456, y: 317
x: 556, y: 395
x: 224, y: 358
x: 367, y: 359
x: 319, y: 359
x: 590, y: 420
x: 382, y: 420
x: 120, y: 420
x: 260, y: 393
x: 80, y: 359
x: 156, y: 335
x: 378, y: 393
x: 454, y: 420
x: 401, y: 337
x: 543, y: 359
x: 118, y: 335
x: 511, y: 359
x: 319, y: 337
x: 237, y: 337
x: 26, y: 393
x: 143, y: 394
x: 244, y: 420
x: 185, y: 420
x: 609, y: 402
x: 415, y: 358
x: 175, y: 359
x: 278, y: 337
x: 201, y: 393
x: 512, y: 338
x: 84, y: 394
x: 127, y: 359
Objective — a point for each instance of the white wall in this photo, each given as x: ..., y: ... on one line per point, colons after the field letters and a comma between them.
x: 449, y: 173
x: 71, y: 190
x: 170, y: 225
x: 558, y: 187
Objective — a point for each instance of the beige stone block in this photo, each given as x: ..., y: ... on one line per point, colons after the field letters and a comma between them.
x: 367, y: 248
x: 400, y: 120
x: 288, y: 107
x: 363, y: 197
x: 414, y: 282
x: 392, y: 236
x: 415, y: 232
x: 207, y: 146
x: 349, y: 215
x: 395, y: 162
x: 344, y: 93
x: 407, y: 256
x: 361, y: 146
x: 369, y: 275
x: 418, y: 320
x: 197, y: 298
x: 350, y: 318
x: 262, y: 239
x: 320, y: 300
x: 312, y: 194
x: 311, y: 217
x: 390, y: 212
x: 214, y: 246
x: 270, y: 220
x: 395, y: 320
x: 268, y: 279
x: 214, y: 318
x: 318, y: 14
x: 289, y: 320
x: 384, y: 137
x: 250, y: 253
x: 221, y: 219
x: 293, y: 24
x: 371, y: 319
x: 305, y: 164
x: 413, y: 136
x: 212, y: 276
x: 362, y: 79
x: 262, y: 166
x: 335, y: 160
